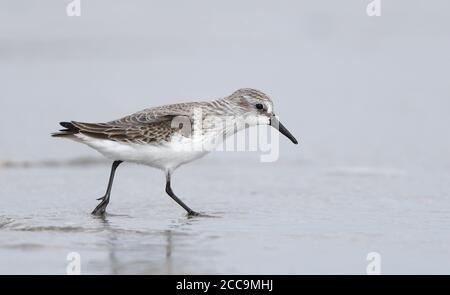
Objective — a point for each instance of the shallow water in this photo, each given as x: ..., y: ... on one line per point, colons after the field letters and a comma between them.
x: 286, y: 217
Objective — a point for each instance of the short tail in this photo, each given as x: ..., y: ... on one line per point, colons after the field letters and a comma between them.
x: 69, y: 130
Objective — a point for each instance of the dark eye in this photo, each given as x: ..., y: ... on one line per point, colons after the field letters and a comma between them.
x: 259, y: 106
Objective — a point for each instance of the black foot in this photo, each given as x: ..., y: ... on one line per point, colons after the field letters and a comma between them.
x: 193, y: 213
x: 101, y: 208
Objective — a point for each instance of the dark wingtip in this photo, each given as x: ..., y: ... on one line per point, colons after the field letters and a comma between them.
x: 70, y: 129
x: 69, y: 126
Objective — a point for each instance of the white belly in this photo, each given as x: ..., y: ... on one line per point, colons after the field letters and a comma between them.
x: 165, y: 156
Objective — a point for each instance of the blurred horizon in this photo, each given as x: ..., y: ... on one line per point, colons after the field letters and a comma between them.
x: 354, y: 89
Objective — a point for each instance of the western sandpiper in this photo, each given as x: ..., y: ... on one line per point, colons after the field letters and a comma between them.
x: 168, y: 136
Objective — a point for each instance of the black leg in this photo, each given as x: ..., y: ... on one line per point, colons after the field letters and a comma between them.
x: 101, y: 208
x: 175, y: 198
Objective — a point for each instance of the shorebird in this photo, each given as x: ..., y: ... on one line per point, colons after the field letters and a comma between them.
x: 169, y: 136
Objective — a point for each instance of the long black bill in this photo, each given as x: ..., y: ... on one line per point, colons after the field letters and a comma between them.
x: 277, y: 125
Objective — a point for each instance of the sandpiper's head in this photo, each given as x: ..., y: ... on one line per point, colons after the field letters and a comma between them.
x: 256, y: 106
x: 257, y: 109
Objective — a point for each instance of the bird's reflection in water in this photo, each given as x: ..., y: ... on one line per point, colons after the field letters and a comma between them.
x: 127, y: 255
x: 168, y: 264
x: 111, y: 244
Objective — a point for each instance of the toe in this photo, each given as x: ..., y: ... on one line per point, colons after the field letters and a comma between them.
x: 193, y: 213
